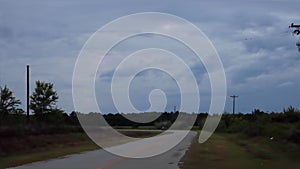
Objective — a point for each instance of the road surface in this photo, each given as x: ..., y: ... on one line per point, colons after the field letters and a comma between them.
x: 101, y: 159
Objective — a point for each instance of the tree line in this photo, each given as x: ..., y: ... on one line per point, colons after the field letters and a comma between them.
x: 48, y: 118
x: 42, y: 103
x: 278, y: 126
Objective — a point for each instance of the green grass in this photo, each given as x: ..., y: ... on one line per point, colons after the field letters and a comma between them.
x: 228, y: 151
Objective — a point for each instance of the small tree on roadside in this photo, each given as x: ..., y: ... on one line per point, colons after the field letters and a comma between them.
x: 44, y: 98
x: 8, y: 103
x: 291, y: 114
x: 290, y: 109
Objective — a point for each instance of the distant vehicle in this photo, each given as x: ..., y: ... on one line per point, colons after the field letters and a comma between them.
x: 164, y: 128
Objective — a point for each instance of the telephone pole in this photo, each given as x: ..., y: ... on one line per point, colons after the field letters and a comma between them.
x: 233, y: 103
x: 27, y: 97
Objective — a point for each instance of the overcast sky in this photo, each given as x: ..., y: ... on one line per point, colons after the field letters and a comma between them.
x: 257, y: 49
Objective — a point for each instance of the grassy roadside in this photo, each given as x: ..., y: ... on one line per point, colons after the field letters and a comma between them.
x: 16, y: 151
x: 227, y: 151
x: 16, y: 160
x: 42, y: 147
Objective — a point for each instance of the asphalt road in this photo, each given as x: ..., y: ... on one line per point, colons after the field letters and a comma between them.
x: 101, y: 159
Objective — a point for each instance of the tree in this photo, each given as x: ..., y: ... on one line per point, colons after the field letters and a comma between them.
x: 291, y: 114
x: 73, y: 118
x: 290, y: 110
x: 8, y: 102
x: 44, y: 98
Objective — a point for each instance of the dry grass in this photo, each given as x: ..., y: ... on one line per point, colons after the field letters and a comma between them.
x: 224, y: 151
x: 16, y: 151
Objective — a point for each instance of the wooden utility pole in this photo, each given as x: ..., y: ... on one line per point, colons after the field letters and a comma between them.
x: 27, y: 96
x: 233, y: 103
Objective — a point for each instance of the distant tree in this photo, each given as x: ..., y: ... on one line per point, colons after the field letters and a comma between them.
x: 291, y: 114
x: 55, y: 116
x: 44, y: 98
x: 257, y: 112
x: 290, y: 110
x: 73, y: 118
x: 8, y: 102
x: 19, y: 111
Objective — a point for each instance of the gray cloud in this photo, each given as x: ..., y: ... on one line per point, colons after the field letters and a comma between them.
x: 252, y: 37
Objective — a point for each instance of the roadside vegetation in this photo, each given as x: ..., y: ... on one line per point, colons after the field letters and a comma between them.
x: 280, y: 127
x: 256, y: 140
x: 227, y: 151
x: 48, y: 132
x: 26, y: 149
x: 250, y: 140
